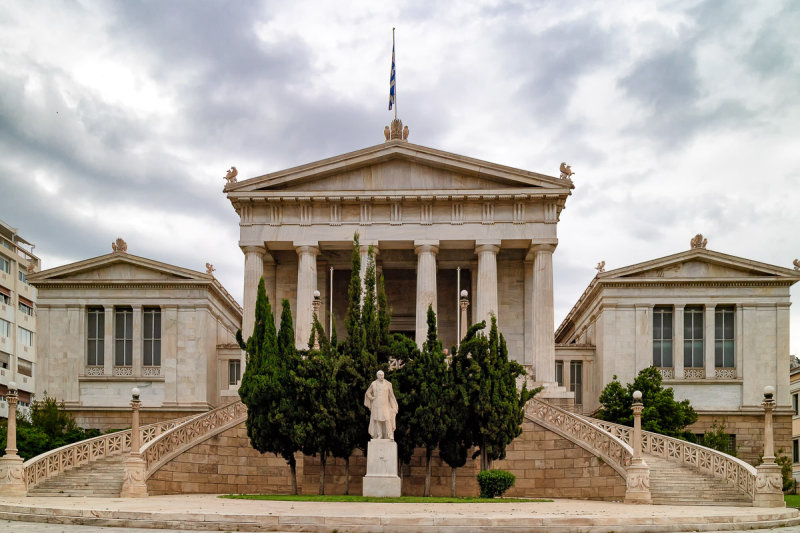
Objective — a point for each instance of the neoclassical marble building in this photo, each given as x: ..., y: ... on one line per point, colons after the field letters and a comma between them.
x: 118, y: 321
x: 437, y: 222
x: 715, y: 325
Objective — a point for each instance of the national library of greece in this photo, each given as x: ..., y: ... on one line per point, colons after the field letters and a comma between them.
x: 469, y: 238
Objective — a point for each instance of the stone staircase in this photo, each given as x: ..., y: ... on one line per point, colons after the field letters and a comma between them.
x: 102, y: 478
x: 672, y: 483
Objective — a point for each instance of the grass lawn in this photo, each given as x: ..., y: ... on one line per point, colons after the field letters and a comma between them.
x: 792, y: 500
x: 355, y: 498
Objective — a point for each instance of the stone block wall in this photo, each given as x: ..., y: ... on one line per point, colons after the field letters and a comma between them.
x: 749, y: 430
x: 546, y: 466
x: 226, y: 464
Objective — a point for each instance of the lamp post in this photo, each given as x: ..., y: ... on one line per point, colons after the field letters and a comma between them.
x: 463, y: 303
x: 638, y: 473
x: 769, y: 480
x: 315, y: 305
x: 12, y: 473
x: 135, y: 485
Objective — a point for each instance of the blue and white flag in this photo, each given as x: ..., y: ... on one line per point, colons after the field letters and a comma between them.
x: 391, y: 79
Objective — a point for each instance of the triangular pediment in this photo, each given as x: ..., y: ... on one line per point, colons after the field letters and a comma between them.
x: 700, y: 263
x: 396, y: 166
x: 117, y: 267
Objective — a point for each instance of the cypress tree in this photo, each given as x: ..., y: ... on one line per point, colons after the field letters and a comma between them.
x: 404, y: 350
x: 429, y: 371
x: 369, y: 310
x: 384, y: 319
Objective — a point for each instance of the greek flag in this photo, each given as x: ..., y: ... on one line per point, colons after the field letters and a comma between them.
x: 391, y: 79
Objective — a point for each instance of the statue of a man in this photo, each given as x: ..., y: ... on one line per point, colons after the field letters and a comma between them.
x: 382, y: 405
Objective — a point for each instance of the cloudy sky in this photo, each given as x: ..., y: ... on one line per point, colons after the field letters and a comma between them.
x: 120, y: 118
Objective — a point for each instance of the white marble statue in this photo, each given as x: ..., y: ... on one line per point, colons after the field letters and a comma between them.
x: 382, y: 405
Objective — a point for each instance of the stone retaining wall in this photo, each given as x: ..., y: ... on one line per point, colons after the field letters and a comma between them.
x: 546, y: 465
x: 121, y: 419
x: 749, y: 431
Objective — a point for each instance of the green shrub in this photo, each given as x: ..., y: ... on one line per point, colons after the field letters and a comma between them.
x: 495, y: 482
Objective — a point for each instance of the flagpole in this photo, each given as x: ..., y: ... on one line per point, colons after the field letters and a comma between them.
x: 395, y: 78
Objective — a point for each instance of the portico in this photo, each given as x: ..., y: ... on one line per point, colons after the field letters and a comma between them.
x: 427, y: 215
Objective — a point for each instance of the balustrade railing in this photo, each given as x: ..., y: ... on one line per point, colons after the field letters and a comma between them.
x: 54, y: 462
x: 718, y: 464
x: 171, y: 443
x: 598, y: 441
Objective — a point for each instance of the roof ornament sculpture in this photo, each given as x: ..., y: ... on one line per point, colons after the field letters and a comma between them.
x: 396, y: 131
x: 796, y: 264
x: 230, y: 177
x: 566, y: 171
x: 119, y: 246
x: 210, y: 269
x: 698, y: 241
x: 601, y: 267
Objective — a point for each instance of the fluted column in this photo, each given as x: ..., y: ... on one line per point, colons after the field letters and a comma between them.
x: 306, y: 285
x: 253, y: 271
x: 544, y: 354
x: 486, y: 295
x: 426, y: 285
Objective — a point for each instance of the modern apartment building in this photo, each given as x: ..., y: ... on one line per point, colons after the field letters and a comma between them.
x: 17, y: 317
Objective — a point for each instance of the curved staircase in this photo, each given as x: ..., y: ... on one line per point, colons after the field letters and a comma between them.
x: 681, y: 473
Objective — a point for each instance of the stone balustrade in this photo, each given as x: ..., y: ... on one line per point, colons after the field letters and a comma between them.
x: 181, y: 437
x: 54, y: 462
x: 718, y: 464
x: 585, y: 433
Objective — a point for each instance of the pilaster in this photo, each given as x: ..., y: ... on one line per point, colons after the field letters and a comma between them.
x: 136, y: 356
x: 426, y: 286
x: 677, y: 341
x: 108, y: 340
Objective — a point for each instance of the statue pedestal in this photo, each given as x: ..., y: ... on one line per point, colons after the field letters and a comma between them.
x: 382, y: 479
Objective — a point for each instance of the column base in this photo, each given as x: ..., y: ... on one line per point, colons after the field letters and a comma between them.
x: 134, y: 485
x: 12, y: 476
x: 769, y: 486
x: 638, y: 484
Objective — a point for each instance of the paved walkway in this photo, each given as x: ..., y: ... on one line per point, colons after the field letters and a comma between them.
x: 209, y: 513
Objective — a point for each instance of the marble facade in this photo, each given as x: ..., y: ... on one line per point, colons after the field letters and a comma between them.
x: 191, y: 316
x: 428, y: 215
x: 610, y: 331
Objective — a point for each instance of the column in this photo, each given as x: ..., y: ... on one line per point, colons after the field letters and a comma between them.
x: 677, y: 341
x: 486, y: 295
x: 426, y: 285
x: 108, y: 340
x: 543, y: 320
x: 527, y: 266
x: 253, y: 271
x: 708, y: 341
x: 136, y: 356
x: 270, y: 285
x: 306, y: 285
x: 364, y: 253
x: 12, y: 471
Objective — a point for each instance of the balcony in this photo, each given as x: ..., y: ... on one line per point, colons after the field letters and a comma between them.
x: 3, y: 409
x: 26, y: 321
x: 26, y: 291
x: 5, y: 344
x: 26, y: 383
x: 5, y: 376
x: 7, y: 312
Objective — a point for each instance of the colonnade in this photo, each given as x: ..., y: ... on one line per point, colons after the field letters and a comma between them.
x: 537, y: 310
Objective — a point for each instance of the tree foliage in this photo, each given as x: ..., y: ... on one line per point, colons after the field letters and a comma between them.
x: 661, y: 414
x: 48, y: 428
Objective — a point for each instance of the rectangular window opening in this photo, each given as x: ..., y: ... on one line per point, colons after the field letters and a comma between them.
x: 576, y: 380
x: 662, y: 337
x: 123, y: 336
x: 234, y: 371
x: 95, y: 335
x: 693, y: 337
x: 560, y: 373
x: 152, y: 337
x: 724, y: 356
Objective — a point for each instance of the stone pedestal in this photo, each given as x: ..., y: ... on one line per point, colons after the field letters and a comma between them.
x: 638, y: 484
x: 382, y: 479
x: 134, y: 485
x: 12, y: 476
x: 769, y: 486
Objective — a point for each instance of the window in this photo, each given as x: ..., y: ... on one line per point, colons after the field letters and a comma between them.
x: 796, y: 451
x: 5, y: 266
x: 23, y: 276
x: 693, y: 337
x: 95, y: 336
x: 5, y: 298
x: 5, y: 328
x: 25, y: 367
x: 152, y: 337
x: 24, y: 337
x: 123, y: 336
x: 795, y: 404
x: 662, y: 337
x: 576, y: 380
x: 731, y: 443
x: 560, y: 373
x: 25, y: 308
x: 723, y: 337
x: 234, y: 371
